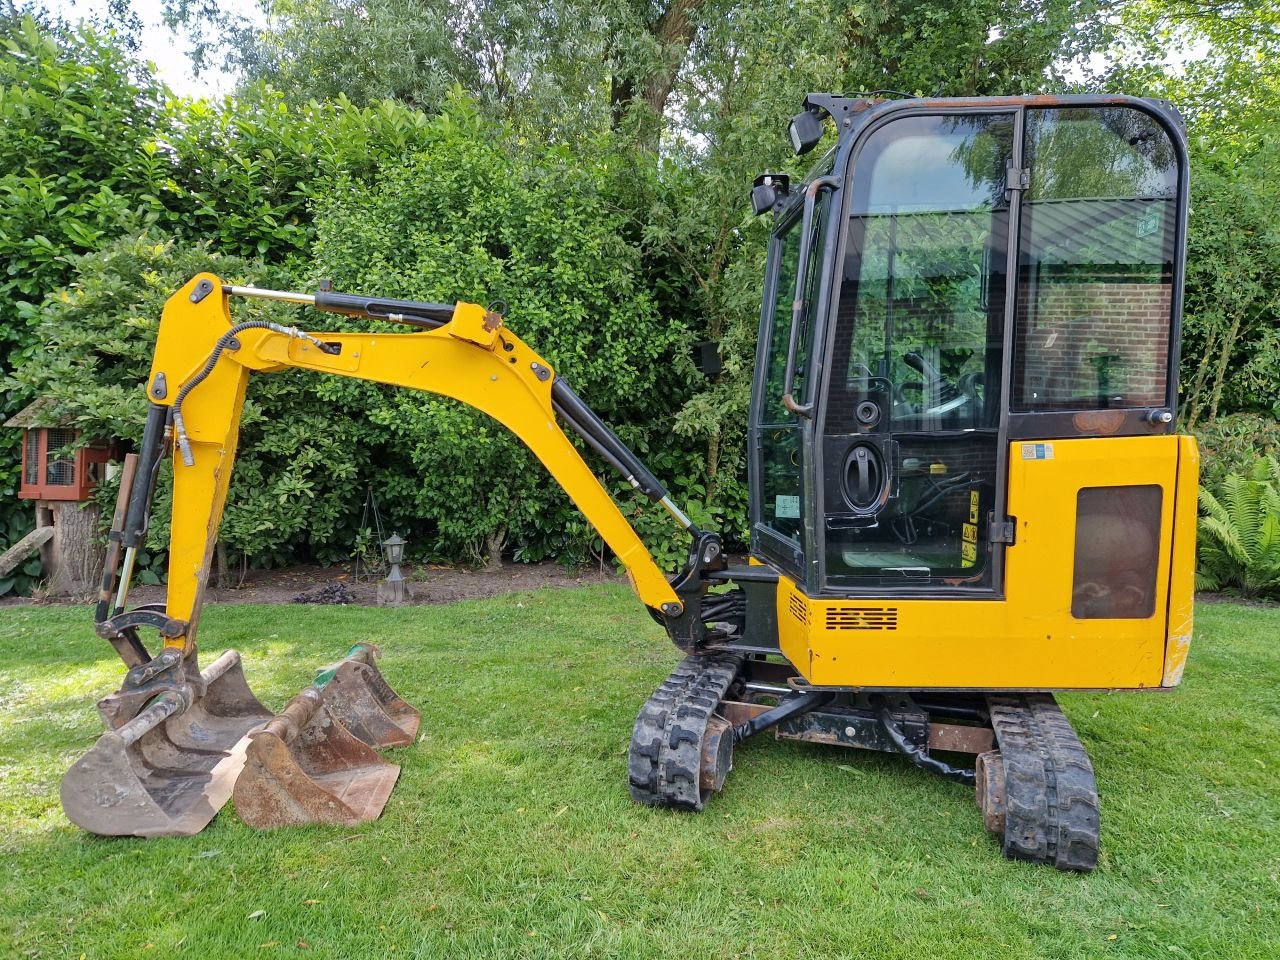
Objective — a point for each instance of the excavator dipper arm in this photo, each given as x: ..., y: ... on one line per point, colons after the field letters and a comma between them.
x: 201, y: 369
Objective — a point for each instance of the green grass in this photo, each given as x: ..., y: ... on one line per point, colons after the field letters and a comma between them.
x: 511, y: 832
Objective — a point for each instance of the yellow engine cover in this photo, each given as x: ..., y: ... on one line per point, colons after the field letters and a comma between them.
x: 1046, y: 632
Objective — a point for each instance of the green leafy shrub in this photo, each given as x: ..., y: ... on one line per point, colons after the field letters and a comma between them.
x: 76, y: 117
x: 1232, y: 443
x: 295, y: 486
x: 546, y: 231
x: 1239, y: 546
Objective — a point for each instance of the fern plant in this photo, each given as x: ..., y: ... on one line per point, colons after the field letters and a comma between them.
x: 1240, y: 532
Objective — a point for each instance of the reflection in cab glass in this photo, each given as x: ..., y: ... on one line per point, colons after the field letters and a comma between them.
x: 1095, y: 273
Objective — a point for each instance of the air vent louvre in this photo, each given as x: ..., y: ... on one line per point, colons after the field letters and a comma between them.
x: 799, y: 609
x: 862, y: 618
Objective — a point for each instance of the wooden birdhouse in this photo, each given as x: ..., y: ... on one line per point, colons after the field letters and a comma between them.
x: 53, y: 466
x: 60, y: 472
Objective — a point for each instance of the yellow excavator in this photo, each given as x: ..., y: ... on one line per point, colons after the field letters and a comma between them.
x: 966, y: 489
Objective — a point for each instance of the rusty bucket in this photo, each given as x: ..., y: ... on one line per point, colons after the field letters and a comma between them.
x: 168, y: 770
x: 355, y: 692
x: 304, y: 766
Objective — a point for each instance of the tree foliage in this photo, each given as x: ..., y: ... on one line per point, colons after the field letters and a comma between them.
x: 589, y: 165
x: 76, y: 119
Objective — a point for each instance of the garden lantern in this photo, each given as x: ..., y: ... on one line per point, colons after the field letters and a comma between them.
x: 394, y: 589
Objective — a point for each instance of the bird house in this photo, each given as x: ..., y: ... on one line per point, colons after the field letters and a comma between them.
x: 55, y: 464
x: 60, y: 472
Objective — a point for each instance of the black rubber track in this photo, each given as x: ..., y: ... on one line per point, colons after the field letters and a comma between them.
x: 1051, y: 796
x: 664, y: 763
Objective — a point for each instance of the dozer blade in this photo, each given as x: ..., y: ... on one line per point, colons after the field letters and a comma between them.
x: 355, y: 692
x: 305, y: 767
x: 169, y: 770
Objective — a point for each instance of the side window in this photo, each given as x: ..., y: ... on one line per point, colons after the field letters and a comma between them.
x: 780, y: 434
x: 1095, y: 276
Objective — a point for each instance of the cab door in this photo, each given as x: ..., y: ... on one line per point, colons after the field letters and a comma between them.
x: 912, y: 463
x: 781, y: 472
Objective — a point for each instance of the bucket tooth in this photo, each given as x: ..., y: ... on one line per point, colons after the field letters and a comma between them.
x: 305, y: 767
x: 168, y: 770
x: 356, y: 693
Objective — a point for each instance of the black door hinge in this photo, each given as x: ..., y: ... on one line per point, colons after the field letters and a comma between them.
x: 1016, y: 179
x: 1002, y: 531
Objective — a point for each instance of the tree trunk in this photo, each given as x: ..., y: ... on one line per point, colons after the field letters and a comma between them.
x: 493, y: 547
x: 223, y: 575
x: 674, y: 30
x: 76, y: 557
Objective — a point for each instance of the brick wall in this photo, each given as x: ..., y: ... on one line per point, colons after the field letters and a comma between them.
x: 1078, y: 341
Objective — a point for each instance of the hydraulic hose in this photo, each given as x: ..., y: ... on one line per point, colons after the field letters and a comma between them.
x: 224, y: 341
x: 915, y: 754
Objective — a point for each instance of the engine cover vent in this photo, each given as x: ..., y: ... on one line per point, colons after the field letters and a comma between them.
x: 862, y: 618
x: 799, y: 609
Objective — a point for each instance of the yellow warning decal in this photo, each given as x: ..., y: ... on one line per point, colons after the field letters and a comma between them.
x: 969, y: 533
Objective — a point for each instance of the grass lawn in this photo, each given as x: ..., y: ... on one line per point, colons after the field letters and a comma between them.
x: 511, y: 832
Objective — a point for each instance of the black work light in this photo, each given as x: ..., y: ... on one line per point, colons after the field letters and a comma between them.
x: 806, y: 131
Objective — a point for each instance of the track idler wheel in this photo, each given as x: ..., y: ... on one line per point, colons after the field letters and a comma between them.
x: 989, y: 774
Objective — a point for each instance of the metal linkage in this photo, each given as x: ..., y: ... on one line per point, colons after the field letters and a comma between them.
x: 788, y: 708
x: 916, y: 755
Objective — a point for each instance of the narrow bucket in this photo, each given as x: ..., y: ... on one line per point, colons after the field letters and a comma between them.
x: 305, y: 767
x: 168, y: 771
x: 355, y: 692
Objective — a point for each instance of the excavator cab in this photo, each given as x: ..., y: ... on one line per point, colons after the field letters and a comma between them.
x: 964, y: 396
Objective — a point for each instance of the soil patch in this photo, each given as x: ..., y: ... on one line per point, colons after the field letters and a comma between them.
x: 429, y: 583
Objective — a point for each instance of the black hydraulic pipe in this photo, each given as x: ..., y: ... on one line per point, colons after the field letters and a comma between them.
x: 412, y: 312
x: 150, y: 455
x: 954, y: 711
x: 918, y: 756
x: 591, y: 441
x: 603, y: 440
x: 792, y: 707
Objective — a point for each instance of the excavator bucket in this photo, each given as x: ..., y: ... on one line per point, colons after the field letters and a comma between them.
x: 305, y: 767
x: 355, y: 692
x: 169, y: 770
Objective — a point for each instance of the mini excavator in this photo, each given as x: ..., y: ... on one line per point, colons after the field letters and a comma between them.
x: 966, y: 489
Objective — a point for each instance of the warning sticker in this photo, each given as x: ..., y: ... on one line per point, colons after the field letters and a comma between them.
x: 969, y: 532
x: 1037, y: 451
x: 786, y: 508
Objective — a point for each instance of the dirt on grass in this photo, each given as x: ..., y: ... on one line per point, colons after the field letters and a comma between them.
x: 339, y: 584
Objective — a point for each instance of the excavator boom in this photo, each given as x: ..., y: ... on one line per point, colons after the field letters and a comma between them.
x: 201, y: 369
x: 181, y: 741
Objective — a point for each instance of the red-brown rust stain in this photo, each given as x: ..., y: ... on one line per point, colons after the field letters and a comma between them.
x: 1105, y: 422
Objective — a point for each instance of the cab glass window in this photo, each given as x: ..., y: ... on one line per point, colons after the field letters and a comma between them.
x: 1095, y: 276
